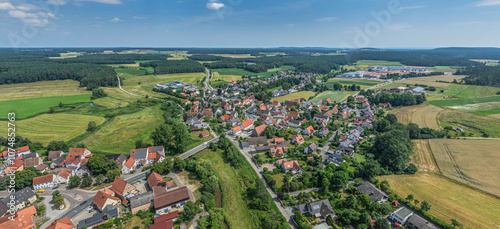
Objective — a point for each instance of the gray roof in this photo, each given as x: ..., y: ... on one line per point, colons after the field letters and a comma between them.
x: 54, y: 154
x: 418, y: 222
x: 139, y: 153
x: 245, y: 145
x: 257, y: 140
x: 141, y: 199
x: 19, y: 196
x: 403, y: 212
x: 3, y: 209
x: 156, y: 148
x: 59, y: 160
x: 321, y: 207
x: 370, y: 190
x: 30, y: 155
x: 108, y: 213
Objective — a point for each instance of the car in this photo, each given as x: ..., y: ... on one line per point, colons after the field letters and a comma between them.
x: 41, y: 190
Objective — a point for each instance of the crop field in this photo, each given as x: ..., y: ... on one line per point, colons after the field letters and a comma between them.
x: 426, y: 116
x: 120, y: 134
x: 295, y: 95
x: 233, y: 201
x: 404, y: 113
x: 368, y: 63
x: 41, y: 89
x: 28, y: 107
x: 363, y: 83
x: 423, y: 157
x: 465, y: 101
x: 232, y: 71
x: 473, y: 162
x: 234, y: 55
x: 449, y: 199
x: 472, y: 124
x: 51, y: 127
x: 227, y: 78
x: 338, y: 96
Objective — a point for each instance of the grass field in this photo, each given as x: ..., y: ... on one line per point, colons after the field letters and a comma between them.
x: 28, y: 107
x: 233, y: 71
x: 227, y: 78
x: 128, y: 73
x: 449, y: 199
x: 473, y: 162
x: 54, y: 127
x: 423, y: 157
x: 363, y: 83
x: 41, y: 89
x: 470, y: 123
x: 368, y: 63
x: 490, y: 112
x: 237, y: 212
x: 465, y: 101
x: 120, y: 134
x: 426, y: 116
x: 295, y: 95
x: 337, y: 96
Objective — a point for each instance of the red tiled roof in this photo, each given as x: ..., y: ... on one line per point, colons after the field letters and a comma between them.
x: 64, y: 223
x: 119, y: 186
x: 130, y: 162
x: 247, y: 123
x: 171, y: 197
x: 43, y: 179
x: 65, y: 173
x: 154, y: 179
x: 162, y: 225
x: 167, y: 217
x: 260, y: 129
x: 170, y: 184
x: 22, y: 220
x: 16, y: 151
x: 236, y: 129
x: 101, y: 198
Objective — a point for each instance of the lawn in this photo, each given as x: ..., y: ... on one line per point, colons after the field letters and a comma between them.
x: 378, y: 63
x: 120, y: 134
x: 29, y: 107
x: 41, y: 89
x: 295, y: 95
x: 449, y: 199
x: 237, y: 212
x: 233, y: 71
x: 279, y: 177
x: 54, y: 127
x: 335, y: 96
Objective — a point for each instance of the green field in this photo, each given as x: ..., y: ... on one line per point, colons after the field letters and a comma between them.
x: 471, y: 123
x: 273, y: 71
x: 378, y: 63
x: 487, y: 111
x: 120, y: 134
x: 295, y: 95
x: 29, y: 107
x: 363, y: 83
x: 41, y: 89
x: 232, y: 71
x: 338, y: 96
x: 465, y: 101
x: 128, y: 73
x: 54, y: 127
x: 143, y: 85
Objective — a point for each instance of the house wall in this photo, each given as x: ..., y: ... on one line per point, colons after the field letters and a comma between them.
x: 44, y: 185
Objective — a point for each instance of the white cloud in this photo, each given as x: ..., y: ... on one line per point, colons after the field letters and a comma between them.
x: 411, y: 7
x: 326, y: 19
x: 36, y: 19
x: 488, y: 3
x: 57, y: 2
x: 27, y: 7
x: 214, y: 5
x: 115, y: 20
x: 6, y: 6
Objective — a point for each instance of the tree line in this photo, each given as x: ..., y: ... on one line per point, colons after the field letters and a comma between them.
x: 112, y: 58
x: 174, y: 66
x: 481, y: 75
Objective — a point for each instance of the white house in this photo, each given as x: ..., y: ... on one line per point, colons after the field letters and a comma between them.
x: 129, y: 166
x: 42, y: 182
x: 63, y: 176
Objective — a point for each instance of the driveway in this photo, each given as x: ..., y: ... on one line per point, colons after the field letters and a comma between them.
x: 328, y: 143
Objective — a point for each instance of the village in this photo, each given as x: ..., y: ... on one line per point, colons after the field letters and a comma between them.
x: 278, y: 138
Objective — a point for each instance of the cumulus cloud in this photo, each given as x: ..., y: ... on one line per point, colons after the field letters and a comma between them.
x: 6, y: 6
x: 36, y: 19
x: 115, y: 20
x: 57, y: 2
x: 488, y: 3
x: 214, y: 5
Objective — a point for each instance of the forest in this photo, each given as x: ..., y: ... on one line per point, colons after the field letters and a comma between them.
x: 174, y: 66
x: 481, y: 75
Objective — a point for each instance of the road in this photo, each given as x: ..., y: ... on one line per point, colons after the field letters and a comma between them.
x: 197, y: 149
x: 283, y: 211
x: 207, y: 80
x: 328, y: 143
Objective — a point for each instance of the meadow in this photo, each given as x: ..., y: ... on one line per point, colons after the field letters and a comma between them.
x: 473, y: 162
x: 232, y: 71
x: 54, y: 127
x: 464, y: 101
x: 363, y: 83
x: 143, y: 85
x: 367, y: 63
x: 449, y: 199
x: 41, y: 89
x: 472, y: 124
x: 128, y: 73
x: 337, y: 96
x: 295, y: 95
x: 29, y: 107
x: 227, y: 78
x: 120, y: 134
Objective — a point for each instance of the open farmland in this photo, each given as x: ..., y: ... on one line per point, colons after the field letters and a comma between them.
x: 404, y: 113
x: 233, y: 71
x: 41, y: 89
x: 337, y: 96
x: 29, y: 107
x: 120, y: 134
x: 449, y: 199
x: 426, y: 116
x: 461, y: 102
x: 295, y: 95
x: 234, y: 55
x: 143, y: 85
x: 431, y: 80
x: 472, y: 124
x: 363, y: 83
x: 368, y: 63
x: 227, y: 78
x: 423, y: 157
x: 128, y: 73
x: 54, y: 127
x: 473, y: 162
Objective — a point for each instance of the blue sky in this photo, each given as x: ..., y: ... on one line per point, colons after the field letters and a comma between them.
x: 249, y: 23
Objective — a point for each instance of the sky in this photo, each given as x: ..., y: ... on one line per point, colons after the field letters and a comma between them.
x: 250, y: 23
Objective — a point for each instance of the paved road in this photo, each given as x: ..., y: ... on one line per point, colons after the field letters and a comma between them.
x: 328, y: 143
x: 288, y: 215
x: 207, y: 80
x: 197, y: 149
